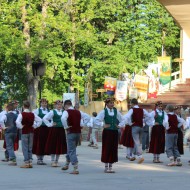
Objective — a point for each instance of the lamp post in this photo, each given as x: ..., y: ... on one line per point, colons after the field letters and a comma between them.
x: 39, y: 70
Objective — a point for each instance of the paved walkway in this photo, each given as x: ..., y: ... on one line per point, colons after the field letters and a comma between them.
x: 128, y: 176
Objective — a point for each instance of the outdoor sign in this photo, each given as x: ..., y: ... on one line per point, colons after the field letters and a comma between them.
x: 165, y: 69
x: 141, y: 84
x: 121, y: 90
x: 69, y: 96
x: 101, y: 90
x: 133, y: 93
x: 110, y: 85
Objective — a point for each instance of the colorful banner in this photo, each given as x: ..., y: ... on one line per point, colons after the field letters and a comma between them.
x: 110, y: 85
x: 165, y: 69
x: 141, y: 84
x: 121, y: 90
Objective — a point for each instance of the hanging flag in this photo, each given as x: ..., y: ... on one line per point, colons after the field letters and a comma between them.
x: 121, y: 90
x: 165, y: 69
x: 110, y: 85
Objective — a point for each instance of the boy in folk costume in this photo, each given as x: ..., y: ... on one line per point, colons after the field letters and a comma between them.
x: 8, y: 123
x: 109, y: 115
x: 27, y: 121
x: 177, y: 111
x: 71, y: 120
x: 56, y: 141
x: 157, y: 142
x: 171, y: 136
x: 136, y: 115
x: 41, y: 133
x: 16, y: 143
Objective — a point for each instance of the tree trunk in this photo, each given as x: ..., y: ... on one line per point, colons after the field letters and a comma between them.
x: 32, y: 82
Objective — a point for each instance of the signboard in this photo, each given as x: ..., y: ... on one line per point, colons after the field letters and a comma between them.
x: 165, y: 69
x: 69, y: 96
x: 94, y: 95
x: 133, y: 93
x: 141, y: 84
x: 121, y: 90
x: 101, y: 90
x: 110, y: 85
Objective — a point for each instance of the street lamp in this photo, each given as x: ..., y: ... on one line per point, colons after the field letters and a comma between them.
x: 39, y: 69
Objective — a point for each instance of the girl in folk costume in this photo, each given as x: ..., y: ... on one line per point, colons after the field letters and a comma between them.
x: 127, y: 141
x: 180, y: 131
x: 56, y: 141
x: 41, y: 133
x: 171, y: 126
x: 27, y: 121
x: 110, y: 134
x: 157, y: 142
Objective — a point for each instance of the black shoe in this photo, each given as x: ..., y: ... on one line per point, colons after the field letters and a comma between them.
x: 5, y: 160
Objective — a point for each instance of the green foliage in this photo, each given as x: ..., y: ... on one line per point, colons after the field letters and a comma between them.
x: 81, y: 38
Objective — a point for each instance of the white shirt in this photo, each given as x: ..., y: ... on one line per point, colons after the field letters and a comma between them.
x: 159, y: 112
x: 127, y: 117
x: 48, y: 118
x: 100, y: 117
x: 92, y: 124
x: 187, y: 125
x: 44, y: 111
x: 3, y: 119
x: 37, y: 120
x: 85, y: 118
x: 166, y: 123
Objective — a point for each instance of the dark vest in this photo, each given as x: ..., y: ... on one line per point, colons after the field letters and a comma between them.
x: 57, y: 119
x: 112, y: 120
x: 27, y: 122
x: 11, y: 123
x: 41, y: 115
x: 173, y: 124
x: 74, y: 121
x: 137, y: 117
x: 159, y: 119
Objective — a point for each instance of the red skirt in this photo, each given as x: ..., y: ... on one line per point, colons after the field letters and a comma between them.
x: 16, y: 143
x: 40, y: 139
x: 126, y: 138
x: 109, y: 146
x: 157, y: 142
x: 180, y: 142
x: 56, y: 141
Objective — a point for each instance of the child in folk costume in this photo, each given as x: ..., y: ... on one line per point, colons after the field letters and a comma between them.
x: 56, y: 141
x: 27, y: 121
x: 157, y: 142
x: 8, y: 123
x: 177, y: 111
x: 41, y: 133
x: 94, y: 129
x: 109, y: 115
x: 171, y: 136
x: 136, y: 115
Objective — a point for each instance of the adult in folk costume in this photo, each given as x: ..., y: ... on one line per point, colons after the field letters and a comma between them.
x: 56, y: 141
x: 41, y: 133
x: 177, y: 111
x: 109, y: 115
x: 157, y: 142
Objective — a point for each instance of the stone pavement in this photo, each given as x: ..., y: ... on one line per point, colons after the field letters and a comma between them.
x: 128, y: 176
